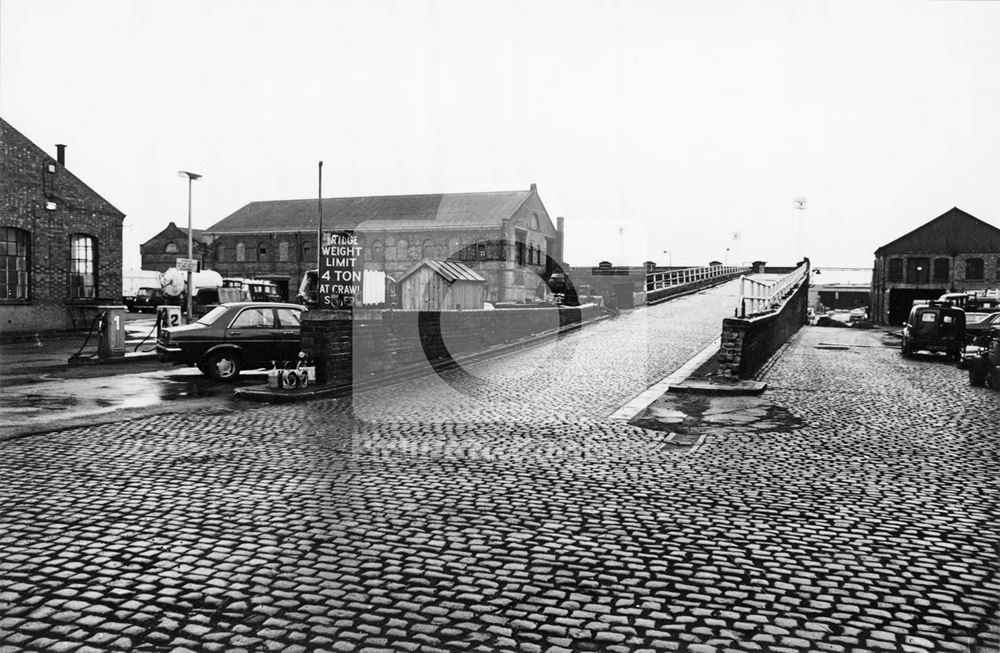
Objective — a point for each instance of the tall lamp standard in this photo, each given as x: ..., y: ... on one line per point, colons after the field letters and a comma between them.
x: 191, y: 176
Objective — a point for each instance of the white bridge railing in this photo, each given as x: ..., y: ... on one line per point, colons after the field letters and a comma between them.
x: 762, y: 296
x: 660, y: 280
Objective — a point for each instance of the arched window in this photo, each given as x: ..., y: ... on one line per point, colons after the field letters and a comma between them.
x: 307, y: 255
x: 427, y: 249
x: 262, y: 251
x: 15, y: 263
x: 534, y: 221
x: 454, y: 249
x: 82, y: 266
x: 402, y: 250
x: 283, y: 251
x: 241, y: 252
x: 171, y: 247
x: 378, y: 251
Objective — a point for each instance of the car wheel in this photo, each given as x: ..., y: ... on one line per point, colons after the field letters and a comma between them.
x: 223, y: 366
x: 977, y: 372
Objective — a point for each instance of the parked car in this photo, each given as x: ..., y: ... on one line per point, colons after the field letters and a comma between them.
x: 978, y: 325
x: 935, y: 326
x: 147, y: 300
x: 233, y: 337
x: 984, y: 367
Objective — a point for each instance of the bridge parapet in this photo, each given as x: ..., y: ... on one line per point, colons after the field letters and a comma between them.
x: 661, y: 285
x: 765, y: 293
x: 749, y: 342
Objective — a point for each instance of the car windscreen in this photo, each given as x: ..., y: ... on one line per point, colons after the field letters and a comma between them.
x: 209, y: 318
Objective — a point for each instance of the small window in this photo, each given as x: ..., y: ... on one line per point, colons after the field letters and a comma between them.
x: 261, y: 251
x: 307, y: 254
x: 14, y: 263
x: 481, y: 249
x: 254, y: 318
x: 82, y: 266
x: 534, y: 221
x: 427, y: 249
x: 378, y: 251
x: 895, y: 271
x: 941, y: 269
x: 171, y: 248
x: 241, y: 252
x: 283, y: 252
x: 928, y: 317
x: 974, y: 268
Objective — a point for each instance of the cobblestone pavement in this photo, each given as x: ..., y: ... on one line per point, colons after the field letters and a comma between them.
x: 496, y: 508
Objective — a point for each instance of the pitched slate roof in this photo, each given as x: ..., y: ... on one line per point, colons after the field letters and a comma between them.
x: 396, y: 212
x: 172, y: 231
x: 450, y: 270
x: 953, y: 232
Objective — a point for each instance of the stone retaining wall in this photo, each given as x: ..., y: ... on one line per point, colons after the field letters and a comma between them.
x: 748, y: 343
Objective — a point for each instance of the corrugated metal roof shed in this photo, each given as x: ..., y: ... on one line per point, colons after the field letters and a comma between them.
x: 449, y: 270
x: 376, y: 212
x: 954, y: 232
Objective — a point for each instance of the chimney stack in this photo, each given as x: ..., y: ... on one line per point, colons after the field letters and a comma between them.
x: 61, y: 154
x: 534, y: 188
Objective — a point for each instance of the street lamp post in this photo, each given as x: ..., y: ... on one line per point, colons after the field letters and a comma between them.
x: 670, y: 257
x: 191, y: 176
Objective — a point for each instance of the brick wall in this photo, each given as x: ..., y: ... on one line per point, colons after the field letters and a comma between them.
x: 28, y: 186
x: 348, y: 348
x: 748, y: 343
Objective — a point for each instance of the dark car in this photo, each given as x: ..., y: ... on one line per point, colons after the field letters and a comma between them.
x: 978, y: 325
x: 934, y: 327
x: 147, y: 299
x: 984, y: 367
x: 235, y: 336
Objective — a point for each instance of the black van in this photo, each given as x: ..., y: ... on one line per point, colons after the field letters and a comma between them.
x: 933, y: 327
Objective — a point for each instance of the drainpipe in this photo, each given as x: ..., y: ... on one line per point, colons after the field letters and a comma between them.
x: 502, y: 284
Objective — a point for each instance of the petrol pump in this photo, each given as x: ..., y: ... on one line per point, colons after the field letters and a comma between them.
x: 111, y: 332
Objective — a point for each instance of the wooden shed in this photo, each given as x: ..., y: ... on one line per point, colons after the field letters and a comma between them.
x: 435, y: 285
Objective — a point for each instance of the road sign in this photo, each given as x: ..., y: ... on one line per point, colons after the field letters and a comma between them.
x: 340, y: 270
x: 187, y: 264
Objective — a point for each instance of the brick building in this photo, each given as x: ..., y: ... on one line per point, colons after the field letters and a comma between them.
x: 162, y: 250
x: 954, y: 252
x: 507, y: 237
x: 60, y: 242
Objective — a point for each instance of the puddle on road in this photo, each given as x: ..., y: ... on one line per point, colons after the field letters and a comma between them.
x: 694, y: 414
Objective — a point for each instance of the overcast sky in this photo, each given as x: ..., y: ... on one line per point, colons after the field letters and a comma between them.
x: 687, y: 126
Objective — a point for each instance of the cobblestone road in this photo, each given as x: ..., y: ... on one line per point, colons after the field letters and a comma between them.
x: 496, y: 508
